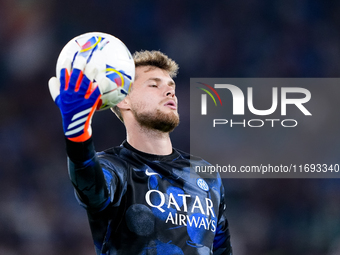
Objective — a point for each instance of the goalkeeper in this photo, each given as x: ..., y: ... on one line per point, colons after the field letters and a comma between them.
x: 141, y: 197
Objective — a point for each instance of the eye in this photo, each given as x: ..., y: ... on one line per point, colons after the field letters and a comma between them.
x: 153, y: 85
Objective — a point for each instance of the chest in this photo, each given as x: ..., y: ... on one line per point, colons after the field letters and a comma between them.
x: 181, y: 199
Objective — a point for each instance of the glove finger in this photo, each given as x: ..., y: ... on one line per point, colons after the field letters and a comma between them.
x: 65, y: 74
x: 75, y: 79
x: 108, y: 100
x: 95, y: 93
x: 106, y: 85
x: 86, y: 83
x: 54, y: 87
x: 120, y: 97
x: 85, y: 86
x: 77, y: 73
x: 64, y: 79
x: 79, y: 63
x: 112, y: 98
x: 90, y: 71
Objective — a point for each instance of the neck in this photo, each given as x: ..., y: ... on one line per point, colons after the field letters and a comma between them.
x: 149, y: 140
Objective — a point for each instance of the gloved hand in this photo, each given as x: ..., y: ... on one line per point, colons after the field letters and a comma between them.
x: 76, y: 98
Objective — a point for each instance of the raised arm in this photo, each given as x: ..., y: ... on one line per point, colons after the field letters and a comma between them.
x: 77, y: 100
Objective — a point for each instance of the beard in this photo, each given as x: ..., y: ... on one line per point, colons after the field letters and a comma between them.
x: 164, y: 122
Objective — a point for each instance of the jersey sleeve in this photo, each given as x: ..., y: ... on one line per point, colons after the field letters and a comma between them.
x: 222, y: 245
x: 92, y: 189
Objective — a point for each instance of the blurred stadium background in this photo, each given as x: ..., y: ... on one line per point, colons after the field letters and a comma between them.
x: 280, y: 38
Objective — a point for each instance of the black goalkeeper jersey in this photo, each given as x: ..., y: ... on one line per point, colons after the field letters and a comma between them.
x: 138, y: 203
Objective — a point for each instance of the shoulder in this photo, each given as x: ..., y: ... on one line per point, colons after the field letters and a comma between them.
x: 119, y: 157
x: 111, y: 155
x: 112, y: 161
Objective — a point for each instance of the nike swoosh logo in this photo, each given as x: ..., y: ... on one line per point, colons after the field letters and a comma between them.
x: 150, y: 173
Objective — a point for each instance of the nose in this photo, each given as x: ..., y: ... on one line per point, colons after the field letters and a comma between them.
x: 170, y: 92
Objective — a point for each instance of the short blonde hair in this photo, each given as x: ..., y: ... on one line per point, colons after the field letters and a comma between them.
x: 156, y: 59
x: 152, y: 58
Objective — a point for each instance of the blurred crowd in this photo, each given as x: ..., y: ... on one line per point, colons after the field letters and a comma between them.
x: 280, y: 38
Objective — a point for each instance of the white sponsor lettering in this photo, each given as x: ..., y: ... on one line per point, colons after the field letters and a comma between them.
x: 204, y: 208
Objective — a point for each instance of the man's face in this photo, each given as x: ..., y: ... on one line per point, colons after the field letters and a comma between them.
x: 152, y: 99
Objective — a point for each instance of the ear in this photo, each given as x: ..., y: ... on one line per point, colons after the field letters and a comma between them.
x: 124, y: 104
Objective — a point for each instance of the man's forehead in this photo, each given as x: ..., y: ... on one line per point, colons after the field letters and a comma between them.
x: 153, y: 73
x: 146, y: 69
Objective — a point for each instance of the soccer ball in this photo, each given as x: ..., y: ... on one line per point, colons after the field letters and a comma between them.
x: 111, y: 58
